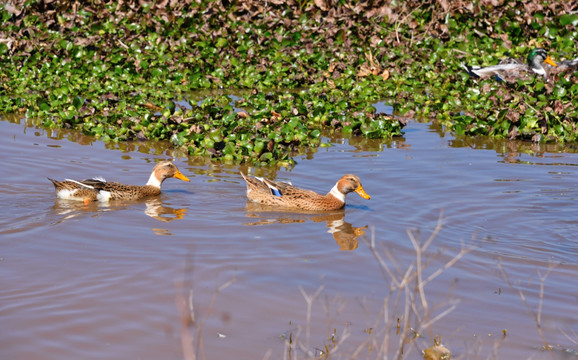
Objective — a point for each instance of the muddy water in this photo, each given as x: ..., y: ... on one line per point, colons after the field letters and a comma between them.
x: 103, y: 282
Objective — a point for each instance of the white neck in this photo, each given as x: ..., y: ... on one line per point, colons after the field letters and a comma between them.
x: 153, y: 181
x: 338, y: 194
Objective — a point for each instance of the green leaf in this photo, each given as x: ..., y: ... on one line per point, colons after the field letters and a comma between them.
x: 77, y: 102
x: 567, y: 19
x: 221, y: 42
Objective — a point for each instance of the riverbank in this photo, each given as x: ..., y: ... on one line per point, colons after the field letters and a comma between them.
x: 118, y: 71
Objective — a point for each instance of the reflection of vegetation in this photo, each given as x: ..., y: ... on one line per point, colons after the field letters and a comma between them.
x: 114, y: 69
x: 512, y: 150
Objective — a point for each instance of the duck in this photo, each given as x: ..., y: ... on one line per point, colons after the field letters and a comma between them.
x: 283, y: 194
x: 98, y: 189
x: 510, y: 70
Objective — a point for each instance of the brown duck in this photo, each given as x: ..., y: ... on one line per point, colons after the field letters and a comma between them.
x: 98, y: 189
x: 282, y: 194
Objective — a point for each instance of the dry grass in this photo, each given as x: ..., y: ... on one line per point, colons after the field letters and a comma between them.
x: 407, y: 290
x: 536, y: 314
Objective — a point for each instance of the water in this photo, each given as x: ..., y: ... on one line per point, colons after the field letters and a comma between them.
x: 95, y: 281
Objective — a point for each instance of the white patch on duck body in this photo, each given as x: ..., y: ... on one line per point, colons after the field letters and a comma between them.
x: 103, y: 196
x: 539, y: 71
x: 338, y: 194
x: 67, y: 194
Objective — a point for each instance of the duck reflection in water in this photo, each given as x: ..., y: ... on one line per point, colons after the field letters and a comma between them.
x: 344, y: 233
x: 154, y: 208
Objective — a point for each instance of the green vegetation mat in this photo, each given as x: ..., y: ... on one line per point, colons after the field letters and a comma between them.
x: 282, y: 72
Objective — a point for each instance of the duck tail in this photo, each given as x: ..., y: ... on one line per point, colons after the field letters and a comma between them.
x: 470, y: 70
x: 245, y: 177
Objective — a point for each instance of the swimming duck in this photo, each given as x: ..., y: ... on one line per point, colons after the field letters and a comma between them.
x: 277, y: 193
x: 98, y: 189
x: 510, y: 70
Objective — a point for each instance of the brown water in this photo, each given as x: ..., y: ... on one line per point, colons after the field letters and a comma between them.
x: 103, y: 282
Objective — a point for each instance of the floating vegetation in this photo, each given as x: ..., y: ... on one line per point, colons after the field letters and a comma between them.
x: 115, y: 69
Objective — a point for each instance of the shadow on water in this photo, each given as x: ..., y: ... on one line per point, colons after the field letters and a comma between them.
x: 344, y: 233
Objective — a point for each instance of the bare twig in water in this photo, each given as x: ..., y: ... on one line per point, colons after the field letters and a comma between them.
x: 573, y: 338
x: 187, y: 338
x: 406, y: 290
x: 413, y: 295
x: 309, y: 299
x: 536, y: 315
x: 188, y: 316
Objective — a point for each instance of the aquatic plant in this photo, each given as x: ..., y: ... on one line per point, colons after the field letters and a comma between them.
x: 117, y: 70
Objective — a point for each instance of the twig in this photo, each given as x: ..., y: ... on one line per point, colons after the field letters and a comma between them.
x: 309, y: 299
x: 187, y: 339
x: 537, y: 316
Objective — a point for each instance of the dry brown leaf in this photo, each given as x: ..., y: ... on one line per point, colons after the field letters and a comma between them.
x: 385, y: 75
x: 322, y: 4
x: 275, y: 116
x: 363, y: 71
x: 151, y: 106
x: 12, y: 9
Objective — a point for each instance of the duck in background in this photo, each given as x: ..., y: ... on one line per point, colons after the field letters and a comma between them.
x: 510, y: 70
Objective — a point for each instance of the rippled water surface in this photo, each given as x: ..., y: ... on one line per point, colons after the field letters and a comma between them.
x: 106, y: 282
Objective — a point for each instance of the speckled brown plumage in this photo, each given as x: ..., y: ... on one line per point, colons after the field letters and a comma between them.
x: 281, y: 194
x: 100, y: 190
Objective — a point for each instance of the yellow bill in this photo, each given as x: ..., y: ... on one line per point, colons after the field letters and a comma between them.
x: 362, y: 193
x: 550, y: 61
x: 179, y: 175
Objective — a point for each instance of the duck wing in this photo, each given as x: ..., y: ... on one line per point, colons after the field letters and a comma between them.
x: 287, y: 190
x: 494, y: 70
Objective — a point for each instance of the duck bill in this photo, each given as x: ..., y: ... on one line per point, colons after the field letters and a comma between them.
x: 550, y: 61
x: 362, y: 193
x: 179, y: 175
